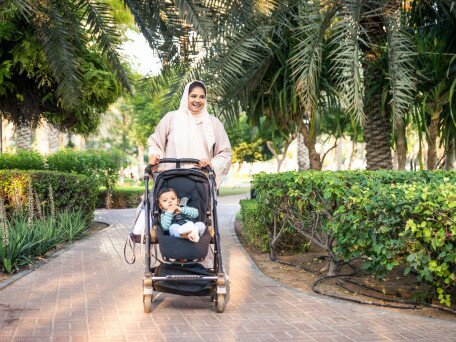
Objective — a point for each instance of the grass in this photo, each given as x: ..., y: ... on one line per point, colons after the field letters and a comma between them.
x: 233, y: 191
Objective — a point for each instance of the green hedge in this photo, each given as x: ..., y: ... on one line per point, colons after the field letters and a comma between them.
x: 49, y: 190
x: 101, y: 166
x: 387, y: 217
x: 255, y: 231
x: 121, y: 197
x: 22, y: 160
x: 257, y: 234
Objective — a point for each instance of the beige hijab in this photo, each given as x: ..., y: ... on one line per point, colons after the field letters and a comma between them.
x: 189, y: 142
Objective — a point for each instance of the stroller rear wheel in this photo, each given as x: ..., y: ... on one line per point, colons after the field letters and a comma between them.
x: 147, y: 302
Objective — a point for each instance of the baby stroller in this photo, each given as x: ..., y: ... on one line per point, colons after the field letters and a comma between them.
x: 179, y: 271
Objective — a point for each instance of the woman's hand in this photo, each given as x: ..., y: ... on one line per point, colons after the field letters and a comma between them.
x: 154, y: 159
x: 203, y: 163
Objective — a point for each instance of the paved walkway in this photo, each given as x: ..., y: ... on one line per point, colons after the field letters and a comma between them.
x: 89, y: 293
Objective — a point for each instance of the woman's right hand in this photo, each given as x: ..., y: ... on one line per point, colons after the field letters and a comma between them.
x: 154, y: 159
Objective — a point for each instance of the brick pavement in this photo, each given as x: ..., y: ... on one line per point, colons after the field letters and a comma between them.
x: 89, y: 293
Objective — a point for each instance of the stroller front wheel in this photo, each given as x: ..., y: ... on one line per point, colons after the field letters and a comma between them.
x: 220, y: 303
x: 147, y: 302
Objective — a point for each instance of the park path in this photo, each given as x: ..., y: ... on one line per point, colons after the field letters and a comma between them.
x: 89, y: 293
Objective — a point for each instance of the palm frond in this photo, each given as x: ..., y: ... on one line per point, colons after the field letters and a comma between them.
x: 24, y: 6
x: 103, y: 28
x: 346, y: 56
x: 401, y: 76
x: 61, y: 52
x: 307, y: 54
x: 194, y: 13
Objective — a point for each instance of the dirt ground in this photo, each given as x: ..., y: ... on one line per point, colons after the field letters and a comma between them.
x: 93, y: 228
x: 394, y: 292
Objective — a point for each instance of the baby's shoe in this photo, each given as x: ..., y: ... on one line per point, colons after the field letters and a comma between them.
x: 194, y: 236
x: 186, y: 228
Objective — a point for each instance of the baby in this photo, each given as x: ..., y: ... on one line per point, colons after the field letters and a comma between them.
x: 175, y: 218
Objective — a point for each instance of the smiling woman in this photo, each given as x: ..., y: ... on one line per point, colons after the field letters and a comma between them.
x: 191, y: 132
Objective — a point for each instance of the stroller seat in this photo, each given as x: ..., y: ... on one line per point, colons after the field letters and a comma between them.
x: 197, y: 192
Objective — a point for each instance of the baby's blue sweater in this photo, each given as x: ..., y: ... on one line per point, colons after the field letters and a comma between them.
x: 167, y: 218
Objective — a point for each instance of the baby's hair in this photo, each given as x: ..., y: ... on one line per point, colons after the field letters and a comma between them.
x: 162, y: 191
x: 197, y: 84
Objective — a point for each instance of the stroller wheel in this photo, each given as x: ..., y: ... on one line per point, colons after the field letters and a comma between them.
x: 147, y: 302
x: 220, y: 303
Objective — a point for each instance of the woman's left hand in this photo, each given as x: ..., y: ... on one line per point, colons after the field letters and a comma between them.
x: 203, y: 162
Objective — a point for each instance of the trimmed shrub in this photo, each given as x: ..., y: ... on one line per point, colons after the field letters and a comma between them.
x: 387, y: 217
x: 255, y: 231
x: 43, y: 192
x: 22, y: 160
x: 121, y: 197
x: 101, y: 166
x: 258, y: 235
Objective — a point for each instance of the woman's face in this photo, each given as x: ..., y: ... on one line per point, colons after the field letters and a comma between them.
x: 196, y: 100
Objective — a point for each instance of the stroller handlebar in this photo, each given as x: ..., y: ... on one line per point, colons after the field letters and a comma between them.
x: 176, y: 161
x: 182, y: 160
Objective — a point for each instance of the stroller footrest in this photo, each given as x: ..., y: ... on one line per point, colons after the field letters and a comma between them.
x: 185, y: 277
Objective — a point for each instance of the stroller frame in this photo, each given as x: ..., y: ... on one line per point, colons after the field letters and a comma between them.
x: 219, y: 281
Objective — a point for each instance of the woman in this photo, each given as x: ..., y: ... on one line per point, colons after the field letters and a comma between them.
x: 191, y: 132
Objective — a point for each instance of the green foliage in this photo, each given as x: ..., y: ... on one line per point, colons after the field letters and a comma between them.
x: 258, y: 233
x: 99, y: 165
x: 22, y: 160
x: 122, y: 197
x: 387, y: 217
x: 55, y: 191
x: 26, y: 241
x: 70, y: 86
x: 253, y: 229
x: 430, y: 233
x: 248, y: 152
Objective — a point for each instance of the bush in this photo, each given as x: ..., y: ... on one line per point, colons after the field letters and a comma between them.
x: 387, y: 217
x: 257, y: 233
x: 45, y: 192
x: 22, y: 240
x: 22, y: 160
x: 101, y: 166
x: 121, y: 197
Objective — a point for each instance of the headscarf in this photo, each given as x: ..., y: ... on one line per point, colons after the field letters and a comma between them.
x: 189, y: 142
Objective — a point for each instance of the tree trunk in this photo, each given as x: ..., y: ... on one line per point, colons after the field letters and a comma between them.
x: 377, y: 126
x: 450, y: 155
x: 314, y: 156
x: 339, y: 154
x: 401, y: 143
x: 24, y: 137
x: 353, y: 154
x: 279, y: 159
x: 303, y: 154
x: 432, y: 141
x: 53, y: 139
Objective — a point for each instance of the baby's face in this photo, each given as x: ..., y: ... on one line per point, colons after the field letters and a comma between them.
x: 167, y: 200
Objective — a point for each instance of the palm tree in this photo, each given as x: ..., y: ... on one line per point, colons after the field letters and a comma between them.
x: 23, y: 136
x: 436, y: 67
x: 329, y: 54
